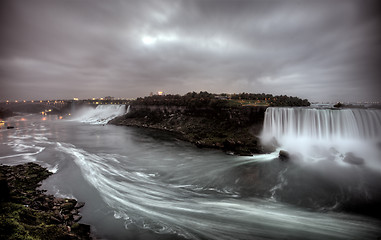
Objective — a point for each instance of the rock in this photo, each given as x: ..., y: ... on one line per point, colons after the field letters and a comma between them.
x: 79, y: 205
x: 352, y: 159
x: 76, y: 218
x: 284, y: 155
x: 55, y: 220
x: 67, y: 206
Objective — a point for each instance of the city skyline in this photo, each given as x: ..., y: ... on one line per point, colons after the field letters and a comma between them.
x: 320, y: 50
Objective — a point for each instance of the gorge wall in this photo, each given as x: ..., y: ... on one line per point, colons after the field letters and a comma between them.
x: 234, y: 129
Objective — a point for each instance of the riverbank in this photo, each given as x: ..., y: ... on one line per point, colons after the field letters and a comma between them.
x: 234, y: 130
x: 27, y: 212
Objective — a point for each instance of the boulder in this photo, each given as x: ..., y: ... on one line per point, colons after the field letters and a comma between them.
x: 352, y: 159
x: 284, y: 155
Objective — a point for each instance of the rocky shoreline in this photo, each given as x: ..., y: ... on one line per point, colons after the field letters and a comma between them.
x: 233, y: 130
x: 27, y: 212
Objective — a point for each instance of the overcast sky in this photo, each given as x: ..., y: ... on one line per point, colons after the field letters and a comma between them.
x: 319, y: 50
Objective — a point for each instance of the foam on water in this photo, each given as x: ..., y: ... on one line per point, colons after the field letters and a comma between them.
x: 142, y: 199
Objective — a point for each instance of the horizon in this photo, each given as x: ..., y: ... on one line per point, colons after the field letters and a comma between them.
x: 320, y: 51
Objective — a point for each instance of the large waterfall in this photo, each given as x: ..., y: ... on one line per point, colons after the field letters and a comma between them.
x: 313, y: 131
x: 102, y: 114
x: 323, y: 124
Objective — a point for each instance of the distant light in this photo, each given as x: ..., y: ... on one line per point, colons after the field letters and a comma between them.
x: 7, y: 101
x: 32, y: 101
x: 159, y: 93
x: 16, y: 101
x: 75, y: 99
x: 24, y: 101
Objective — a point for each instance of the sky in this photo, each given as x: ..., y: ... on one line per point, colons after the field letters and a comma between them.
x: 61, y: 49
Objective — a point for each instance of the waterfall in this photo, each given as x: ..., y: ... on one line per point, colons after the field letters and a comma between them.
x: 322, y: 133
x: 322, y: 124
x: 128, y: 109
x: 102, y: 114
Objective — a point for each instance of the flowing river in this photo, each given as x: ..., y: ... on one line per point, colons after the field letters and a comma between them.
x: 144, y: 184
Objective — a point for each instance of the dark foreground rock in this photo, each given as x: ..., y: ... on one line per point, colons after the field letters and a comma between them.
x: 29, y: 213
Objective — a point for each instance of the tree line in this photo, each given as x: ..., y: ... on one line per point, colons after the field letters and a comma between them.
x: 205, y: 99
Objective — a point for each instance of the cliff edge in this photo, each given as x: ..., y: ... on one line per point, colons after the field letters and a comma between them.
x: 234, y: 130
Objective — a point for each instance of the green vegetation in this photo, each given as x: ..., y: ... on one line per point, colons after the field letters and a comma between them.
x: 205, y: 99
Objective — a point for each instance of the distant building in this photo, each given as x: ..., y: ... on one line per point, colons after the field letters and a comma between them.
x: 109, y: 98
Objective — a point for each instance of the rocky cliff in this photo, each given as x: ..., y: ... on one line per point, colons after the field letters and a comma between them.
x: 234, y: 130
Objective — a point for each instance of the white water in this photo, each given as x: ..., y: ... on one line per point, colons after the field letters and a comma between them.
x: 321, y: 133
x: 102, y: 114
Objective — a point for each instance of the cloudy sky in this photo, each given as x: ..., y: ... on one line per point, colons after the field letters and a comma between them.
x: 60, y: 49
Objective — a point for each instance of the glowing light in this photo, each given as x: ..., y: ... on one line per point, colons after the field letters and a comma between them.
x: 43, y: 119
x: 147, y: 40
x: 60, y: 117
x: 75, y: 99
x: 160, y: 93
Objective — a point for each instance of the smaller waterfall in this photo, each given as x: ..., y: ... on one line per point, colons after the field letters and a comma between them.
x: 102, y: 114
x: 128, y: 109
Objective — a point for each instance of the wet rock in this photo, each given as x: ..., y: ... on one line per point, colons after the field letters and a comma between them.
x: 76, y: 218
x: 352, y: 159
x: 79, y: 205
x: 284, y: 155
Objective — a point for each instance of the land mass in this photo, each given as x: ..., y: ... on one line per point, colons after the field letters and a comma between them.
x: 232, y: 123
x: 29, y: 213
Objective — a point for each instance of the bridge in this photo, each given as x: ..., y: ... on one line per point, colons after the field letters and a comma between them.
x: 56, y: 106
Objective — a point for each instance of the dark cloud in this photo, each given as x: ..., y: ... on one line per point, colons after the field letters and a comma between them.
x: 320, y: 50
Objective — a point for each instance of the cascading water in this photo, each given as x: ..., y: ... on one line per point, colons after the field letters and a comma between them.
x: 102, y: 114
x: 325, y: 133
x: 335, y: 157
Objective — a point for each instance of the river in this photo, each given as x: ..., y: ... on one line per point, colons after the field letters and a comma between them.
x: 144, y: 184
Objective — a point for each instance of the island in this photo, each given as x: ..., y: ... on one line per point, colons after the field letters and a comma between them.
x: 230, y: 122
